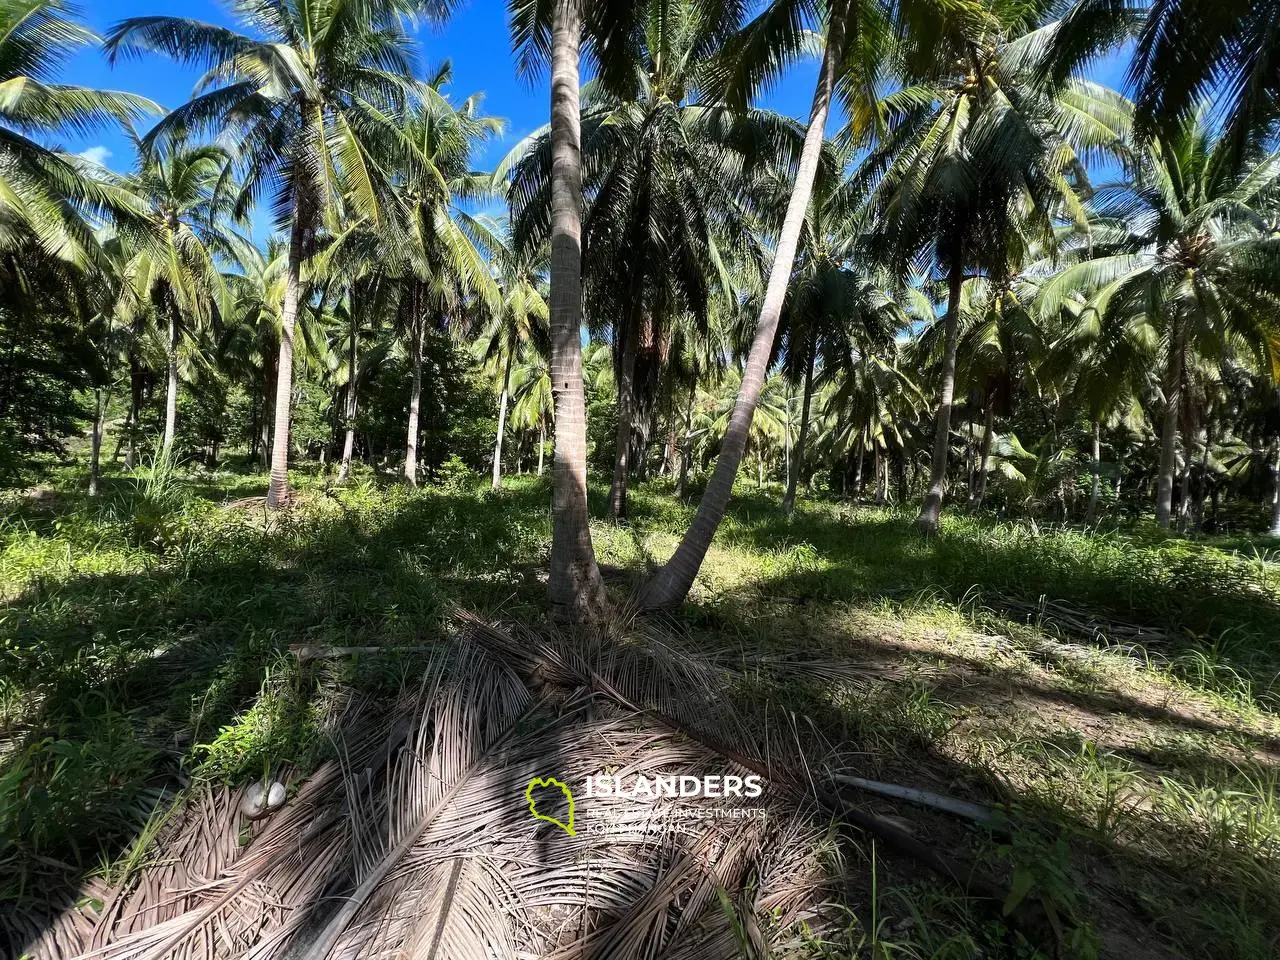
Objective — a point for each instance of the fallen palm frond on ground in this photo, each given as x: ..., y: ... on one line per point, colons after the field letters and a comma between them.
x: 418, y: 841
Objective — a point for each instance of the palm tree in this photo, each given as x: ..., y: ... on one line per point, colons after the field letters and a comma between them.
x: 434, y: 244
x: 249, y: 339
x: 833, y: 313
x: 759, y: 48
x: 977, y: 151
x: 532, y: 405
x: 556, y: 29
x: 306, y: 104
x: 516, y: 330
x: 43, y: 192
x: 666, y: 166
x: 1195, y: 260
x: 173, y: 259
x: 1187, y: 52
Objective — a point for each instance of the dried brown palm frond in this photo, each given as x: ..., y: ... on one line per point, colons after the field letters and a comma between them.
x: 417, y: 840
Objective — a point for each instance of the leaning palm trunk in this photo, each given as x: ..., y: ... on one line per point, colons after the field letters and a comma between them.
x: 672, y: 583
x: 278, y: 492
x: 415, y: 407
x: 988, y: 429
x: 349, y: 440
x: 171, y: 388
x: 1169, y: 430
x: 574, y: 587
x: 789, y: 501
x: 626, y: 420
x: 1096, y: 469
x: 502, y: 420
x: 931, y: 510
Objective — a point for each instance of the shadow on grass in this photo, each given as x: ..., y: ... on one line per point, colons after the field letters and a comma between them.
x: 121, y: 685
x: 1215, y: 612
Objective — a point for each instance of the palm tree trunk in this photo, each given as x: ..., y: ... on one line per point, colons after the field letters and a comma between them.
x: 268, y: 399
x: 859, y: 456
x: 542, y: 443
x: 502, y: 419
x: 1169, y: 430
x: 686, y: 448
x: 171, y: 388
x: 415, y: 406
x: 100, y: 398
x: 349, y: 438
x: 882, y: 478
x: 626, y: 415
x: 789, y: 501
x: 985, y: 460
x: 1096, y: 469
x: 130, y: 434
x: 574, y: 588
x: 1275, y: 499
x: 278, y: 491
x: 1202, y: 486
x: 931, y: 510
x: 672, y: 583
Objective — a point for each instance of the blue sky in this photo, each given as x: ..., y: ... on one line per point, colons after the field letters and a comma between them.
x: 476, y: 40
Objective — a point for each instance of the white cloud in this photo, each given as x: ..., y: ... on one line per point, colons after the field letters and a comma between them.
x: 98, y: 155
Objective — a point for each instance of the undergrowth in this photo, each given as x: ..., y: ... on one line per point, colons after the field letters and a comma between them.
x: 150, y: 638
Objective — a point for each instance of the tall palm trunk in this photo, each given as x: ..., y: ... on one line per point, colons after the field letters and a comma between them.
x: 502, y: 419
x: 278, y: 492
x: 882, y: 478
x: 1275, y: 498
x: 270, y: 368
x: 1169, y: 429
x: 626, y: 415
x: 1095, y: 468
x: 988, y: 430
x: 100, y: 398
x: 672, y: 583
x: 789, y: 501
x: 1202, y: 486
x: 542, y: 443
x: 171, y: 387
x: 349, y: 438
x: 574, y: 588
x: 415, y: 407
x: 686, y: 447
x: 931, y: 510
x: 130, y: 435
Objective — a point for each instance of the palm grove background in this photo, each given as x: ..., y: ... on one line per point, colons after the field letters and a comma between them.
x: 998, y: 289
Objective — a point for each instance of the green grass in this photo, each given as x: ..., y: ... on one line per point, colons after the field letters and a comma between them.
x: 1112, y: 693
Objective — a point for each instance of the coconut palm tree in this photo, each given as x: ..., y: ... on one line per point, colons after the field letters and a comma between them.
x: 306, y: 102
x: 1196, y: 260
x: 174, y: 249
x: 1186, y: 52
x: 532, y: 405
x: 748, y: 60
x: 833, y: 313
x: 435, y: 248
x: 44, y: 193
x: 516, y: 332
x: 554, y: 32
x: 667, y: 164
x: 979, y: 150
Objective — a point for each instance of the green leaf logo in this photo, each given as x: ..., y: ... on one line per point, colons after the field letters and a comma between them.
x: 539, y: 782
